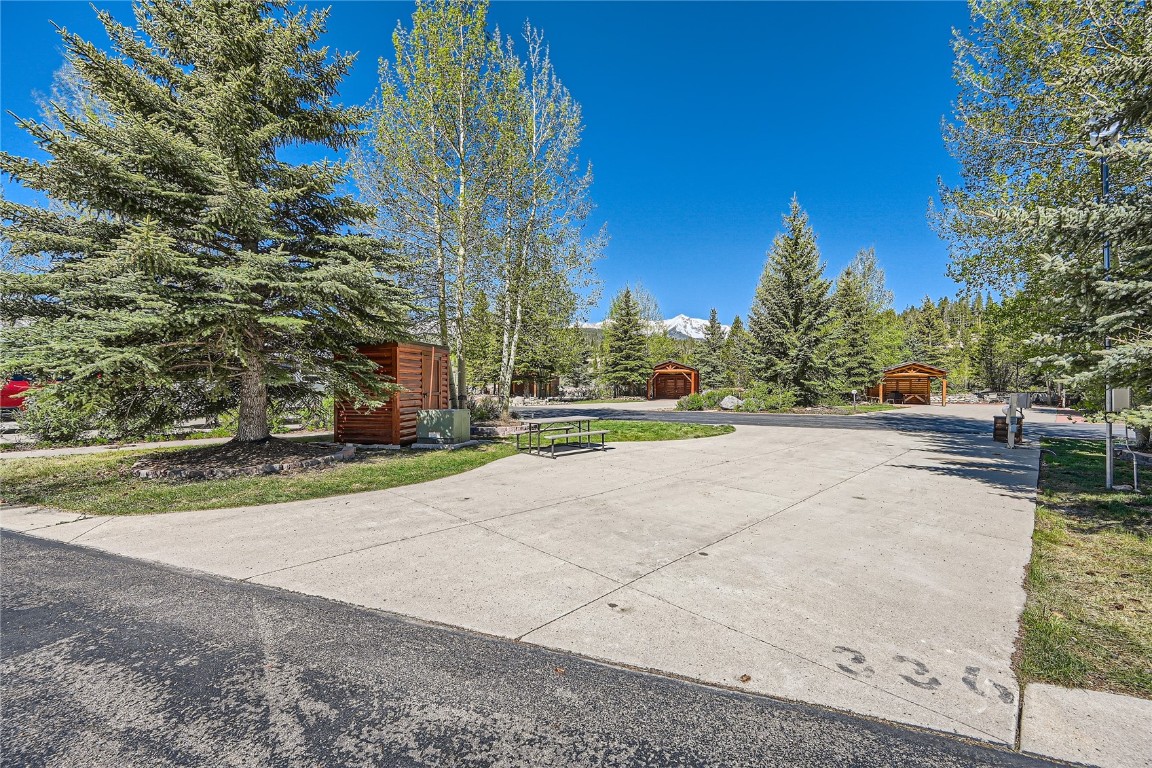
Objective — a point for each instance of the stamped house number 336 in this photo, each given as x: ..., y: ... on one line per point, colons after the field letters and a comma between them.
x: 913, y: 672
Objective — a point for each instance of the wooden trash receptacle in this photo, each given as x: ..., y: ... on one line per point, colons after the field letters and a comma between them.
x: 1000, y: 429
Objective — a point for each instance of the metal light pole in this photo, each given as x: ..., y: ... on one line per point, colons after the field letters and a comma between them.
x: 1104, y: 138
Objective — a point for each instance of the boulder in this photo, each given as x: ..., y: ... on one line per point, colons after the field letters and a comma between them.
x: 730, y: 403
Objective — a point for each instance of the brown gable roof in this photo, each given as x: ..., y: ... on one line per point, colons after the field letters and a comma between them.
x: 673, y: 364
x: 918, y: 367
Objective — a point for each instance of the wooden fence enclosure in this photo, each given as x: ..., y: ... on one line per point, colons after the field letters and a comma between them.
x: 422, y: 370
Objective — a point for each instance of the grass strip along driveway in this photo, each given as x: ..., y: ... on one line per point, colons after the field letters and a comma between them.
x: 1088, y: 620
x: 102, y: 484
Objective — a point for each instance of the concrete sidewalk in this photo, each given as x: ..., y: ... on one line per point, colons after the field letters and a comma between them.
x: 872, y: 571
x: 1091, y: 727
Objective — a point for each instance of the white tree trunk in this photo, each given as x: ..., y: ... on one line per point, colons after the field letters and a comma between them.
x: 508, y: 363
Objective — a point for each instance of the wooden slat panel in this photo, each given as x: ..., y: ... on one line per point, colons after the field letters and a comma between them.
x: 408, y: 365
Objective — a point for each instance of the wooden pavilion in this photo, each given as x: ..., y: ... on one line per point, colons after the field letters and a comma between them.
x: 672, y: 380
x: 910, y: 384
x: 422, y: 371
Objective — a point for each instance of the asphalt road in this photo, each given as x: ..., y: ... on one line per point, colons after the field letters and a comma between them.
x: 114, y: 662
x: 944, y: 422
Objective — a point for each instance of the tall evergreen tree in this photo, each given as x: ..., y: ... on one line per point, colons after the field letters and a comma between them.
x: 710, y: 359
x: 928, y: 338
x: 790, y: 314
x: 739, y: 355
x: 626, y: 360
x: 856, y: 361
x: 185, y: 268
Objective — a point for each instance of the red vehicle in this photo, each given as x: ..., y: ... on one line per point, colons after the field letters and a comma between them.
x: 12, y: 394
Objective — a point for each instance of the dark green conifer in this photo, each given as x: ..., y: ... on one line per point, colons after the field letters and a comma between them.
x: 791, y: 313
x: 739, y: 355
x: 856, y: 359
x: 626, y: 359
x: 186, y: 267
x: 710, y: 357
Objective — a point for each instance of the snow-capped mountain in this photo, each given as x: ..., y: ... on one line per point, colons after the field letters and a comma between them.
x: 679, y: 327
x: 684, y: 327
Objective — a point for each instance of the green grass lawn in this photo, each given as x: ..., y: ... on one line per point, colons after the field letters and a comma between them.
x: 1088, y: 619
x: 867, y: 408
x: 102, y: 484
x: 628, y: 431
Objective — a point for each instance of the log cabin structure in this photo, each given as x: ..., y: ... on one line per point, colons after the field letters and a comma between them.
x: 422, y: 370
x: 911, y: 384
x: 671, y: 380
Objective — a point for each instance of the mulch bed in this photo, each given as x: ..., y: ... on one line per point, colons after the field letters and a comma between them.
x: 235, y: 458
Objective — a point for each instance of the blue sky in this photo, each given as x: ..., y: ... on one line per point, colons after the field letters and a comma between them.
x: 702, y: 120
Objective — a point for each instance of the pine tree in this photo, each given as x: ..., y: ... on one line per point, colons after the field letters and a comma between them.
x: 791, y: 313
x: 626, y: 360
x: 710, y: 360
x: 186, y: 268
x: 739, y: 355
x: 928, y: 337
x: 856, y: 361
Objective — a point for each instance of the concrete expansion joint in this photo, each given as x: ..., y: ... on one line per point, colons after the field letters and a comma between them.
x: 694, y: 551
x: 585, y: 568
x: 463, y: 524
x: 86, y: 532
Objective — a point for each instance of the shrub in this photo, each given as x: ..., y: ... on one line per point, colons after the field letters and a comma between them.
x: 693, y: 402
x: 484, y: 408
x: 712, y: 397
x: 49, y: 420
x: 768, y: 397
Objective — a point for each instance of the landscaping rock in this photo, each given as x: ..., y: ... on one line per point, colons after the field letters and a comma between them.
x: 498, y: 430
x: 730, y: 403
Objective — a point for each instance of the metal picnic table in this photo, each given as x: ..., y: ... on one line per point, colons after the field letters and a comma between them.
x: 560, y: 428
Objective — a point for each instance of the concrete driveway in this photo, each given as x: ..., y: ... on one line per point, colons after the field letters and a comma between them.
x: 873, y: 571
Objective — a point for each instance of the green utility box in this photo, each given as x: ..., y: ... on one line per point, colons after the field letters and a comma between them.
x: 445, y: 426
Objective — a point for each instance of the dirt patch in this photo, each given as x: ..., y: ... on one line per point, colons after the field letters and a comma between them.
x: 236, y: 458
